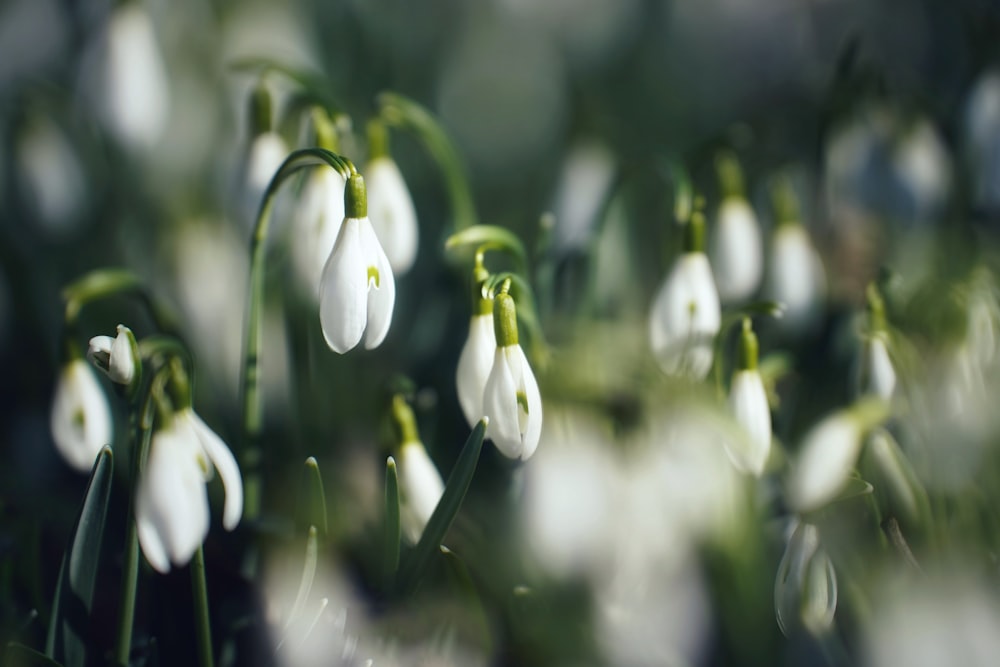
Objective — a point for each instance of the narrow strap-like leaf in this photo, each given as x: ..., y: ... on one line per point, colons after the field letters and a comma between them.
x: 312, y: 501
x: 391, y: 558
x: 19, y: 655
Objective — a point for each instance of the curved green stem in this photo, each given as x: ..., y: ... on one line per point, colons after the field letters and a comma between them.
x: 105, y: 283
x: 203, y: 627
x: 314, y: 85
x: 399, y: 111
x: 490, y: 237
x: 249, y: 387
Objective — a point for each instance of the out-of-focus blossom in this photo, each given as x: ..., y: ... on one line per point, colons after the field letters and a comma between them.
x: 686, y: 314
x: 736, y: 248
x: 475, y: 364
x: 81, y: 417
x: 358, y: 291
x: 748, y: 403
x: 982, y: 139
x: 267, y: 151
x: 50, y: 176
x: 796, y: 277
x: 118, y: 357
x: 420, y: 487
x: 876, y: 374
x: 392, y: 213
x: 805, y: 588
x: 586, y: 175
x: 171, y: 509
x: 317, y: 221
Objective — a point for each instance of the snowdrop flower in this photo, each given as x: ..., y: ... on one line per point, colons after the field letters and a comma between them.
x: 982, y: 139
x: 50, y: 176
x: 267, y: 149
x: 737, y: 252
x: 136, y: 96
x: 117, y: 357
x: 511, y: 399
x: 357, y: 290
x: 585, y: 178
x: 805, y: 589
x: 317, y: 224
x: 686, y: 314
x: 876, y: 375
x: 828, y: 454
x: 420, y: 484
x: 81, y: 416
x: 171, y: 510
x: 390, y: 206
x: 748, y: 403
x: 476, y: 360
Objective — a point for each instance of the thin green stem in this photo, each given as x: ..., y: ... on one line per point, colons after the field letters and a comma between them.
x: 203, y: 628
x: 399, y: 111
x: 250, y: 386
x: 104, y: 283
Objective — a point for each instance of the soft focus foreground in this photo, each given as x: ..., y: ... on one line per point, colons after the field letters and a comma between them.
x: 503, y: 333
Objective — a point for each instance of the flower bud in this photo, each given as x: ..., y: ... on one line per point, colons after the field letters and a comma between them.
x: 81, y: 417
x: 805, y: 588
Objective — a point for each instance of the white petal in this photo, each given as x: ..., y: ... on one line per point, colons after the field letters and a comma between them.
x: 685, y: 318
x: 229, y: 471
x: 81, y: 416
x: 748, y: 403
x: 381, y: 296
x: 420, y: 488
x: 876, y: 375
x: 796, y: 277
x: 392, y: 213
x: 737, y: 253
x: 343, y: 295
x: 500, y: 405
x: 121, y: 365
x: 99, y: 351
x: 171, y: 503
x: 532, y: 430
x: 318, y: 217
x: 830, y: 451
x: 474, y: 367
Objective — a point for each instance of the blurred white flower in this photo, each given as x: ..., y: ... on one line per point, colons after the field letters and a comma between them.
x: 81, y: 417
x: 982, y: 139
x: 796, y: 277
x: 748, y: 403
x: 736, y: 251
x: 420, y: 488
x: 685, y: 317
x: 923, y: 167
x: 50, y: 176
x: 136, y: 96
x: 876, y: 375
x: 115, y: 356
x: 587, y: 173
x: 318, y: 217
x: 474, y: 366
x: 511, y: 398
x: 357, y: 291
x: 805, y: 588
x: 267, y: 151
x: 171, y: 510
x: 392, y: 213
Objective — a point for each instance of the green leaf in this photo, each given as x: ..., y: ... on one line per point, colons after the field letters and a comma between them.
x: 69, y: 628
x: 312, y: 501
x: 489, y: 237
x: 391, y: 558
x: 451, y: 500
x: 19, y: 655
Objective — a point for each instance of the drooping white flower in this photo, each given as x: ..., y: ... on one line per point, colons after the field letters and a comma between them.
x: 420, y: 487
x: 392, y: 212
x: 796, y: 277
x: 357, y: 291
x: 737, y: 250
x: 686, y: 314
x: 876, y: 375
x: 805, y: 588
x: 136, y: 96
x: 511, y: 399
x: 317, y: 225
x: 115, y: 356
x: 748, y: 403
x: 172, y: 501
x: 81, y: 417
x: 267, y: 151
x: 474, y: 366
x: 50, y: 175
x: 828, y: 454
x: 586, y: 176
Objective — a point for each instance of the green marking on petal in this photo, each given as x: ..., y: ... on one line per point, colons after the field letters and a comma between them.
x: 373, y: 275
x: 203, y: 464
x: 522, y: 400
x: 79, y: 418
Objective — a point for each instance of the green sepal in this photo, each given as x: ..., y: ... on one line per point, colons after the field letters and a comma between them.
x: 390, y: 559
x: 69, y: 627
x: 413, y: 566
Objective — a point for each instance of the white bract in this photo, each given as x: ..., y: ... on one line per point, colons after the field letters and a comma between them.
x: 136, y: 95
x: 685, y: 317
x: 81, y: 417
x: 796, y: 277
x: 748, y: 403
x: 171, y: 510
x: 357, y: 291
x: 317, y: 224
x: 392, y: 213
x: 737, y: 251
x: 805, y: 589
x: 420, y: 489
x: 474, y: 366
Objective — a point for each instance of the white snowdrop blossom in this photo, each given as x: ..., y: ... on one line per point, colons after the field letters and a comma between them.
x: 876, y: 375
x: 748, y: 403
x: 685, y: 317
x: 511, y: 399
x: 474, y: 366
x: 51, y: 176
x: 357, y: 290
x: 805, y: 589
x: 136, y: 96
x: 267, y: 151
x: 586, y: 176
x: 392, y: 212
x: 736, y: 251
x: 171, y: 510
x: 420, y: 487
x: 796, y: 277
x: 114, y: 356
x: 81, y: 417
x: 317, y: 224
